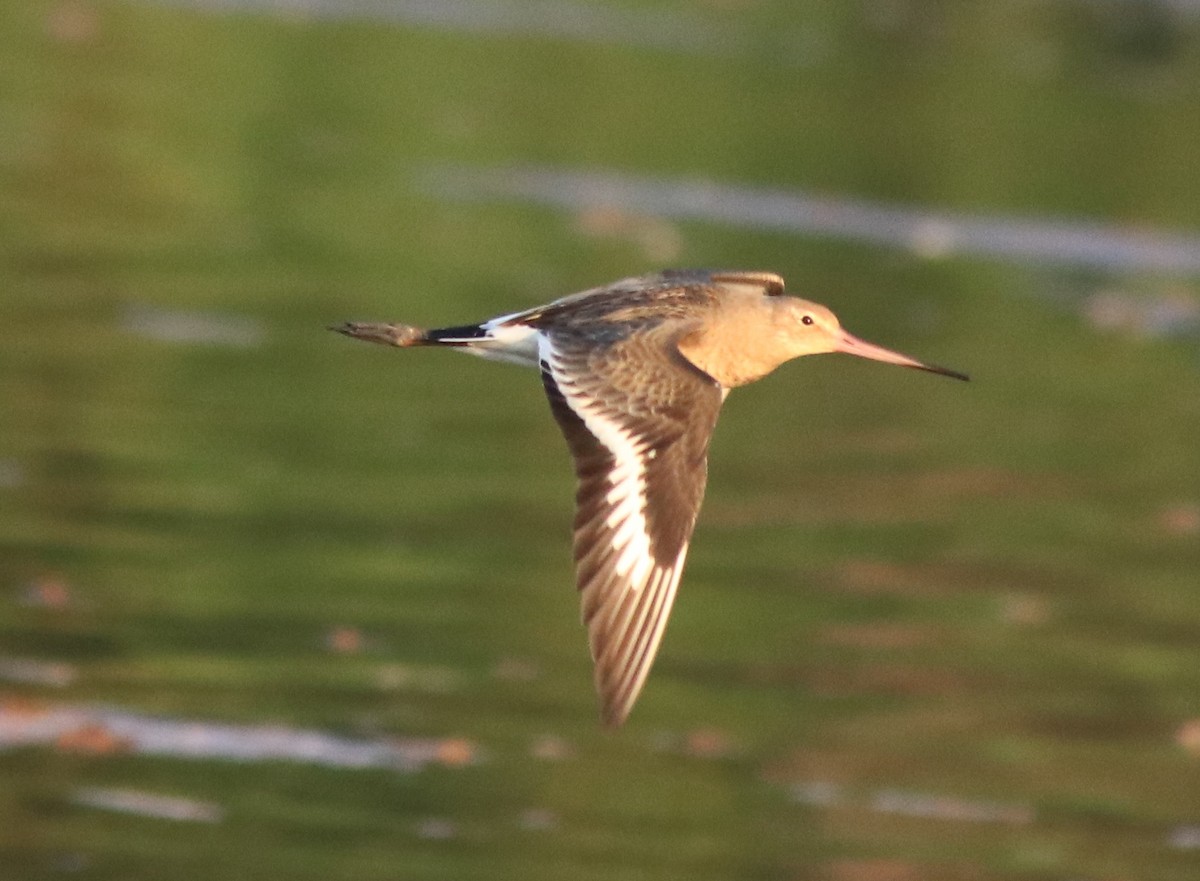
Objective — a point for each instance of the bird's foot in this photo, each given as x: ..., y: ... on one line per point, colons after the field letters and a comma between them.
x: 402, y: 335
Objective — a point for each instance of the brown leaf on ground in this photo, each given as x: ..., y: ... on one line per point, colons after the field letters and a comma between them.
x: 92, y: 739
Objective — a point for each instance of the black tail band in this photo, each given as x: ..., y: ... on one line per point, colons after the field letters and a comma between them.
x: 451, y: 335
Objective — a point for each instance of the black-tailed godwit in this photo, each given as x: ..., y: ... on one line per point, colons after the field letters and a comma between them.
x: 636, y: 372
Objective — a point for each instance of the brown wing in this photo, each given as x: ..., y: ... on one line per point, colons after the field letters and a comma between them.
x: 637, y: 417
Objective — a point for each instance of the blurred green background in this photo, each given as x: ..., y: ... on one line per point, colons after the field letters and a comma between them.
x: 928, y: 630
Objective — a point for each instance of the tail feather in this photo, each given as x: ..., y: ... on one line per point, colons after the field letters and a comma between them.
x: 496, y: 340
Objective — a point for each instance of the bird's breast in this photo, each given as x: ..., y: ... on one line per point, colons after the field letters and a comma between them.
x: 731, y: 358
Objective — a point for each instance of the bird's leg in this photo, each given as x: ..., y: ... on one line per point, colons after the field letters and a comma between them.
x: 402, y: 335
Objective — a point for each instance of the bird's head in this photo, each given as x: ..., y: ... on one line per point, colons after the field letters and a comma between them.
x: 805, y: 328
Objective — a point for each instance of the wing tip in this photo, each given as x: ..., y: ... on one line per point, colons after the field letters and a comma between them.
x: 613, y: 715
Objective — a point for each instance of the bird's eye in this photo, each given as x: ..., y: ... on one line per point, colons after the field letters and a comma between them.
x: 807, y: 319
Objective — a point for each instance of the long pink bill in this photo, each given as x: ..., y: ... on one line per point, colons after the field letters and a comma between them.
x: 852, y: 345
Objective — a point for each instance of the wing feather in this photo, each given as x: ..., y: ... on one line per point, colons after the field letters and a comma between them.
x: 637, y: 421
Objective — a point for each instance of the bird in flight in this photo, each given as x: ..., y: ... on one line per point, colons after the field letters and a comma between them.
x: 636, y: 372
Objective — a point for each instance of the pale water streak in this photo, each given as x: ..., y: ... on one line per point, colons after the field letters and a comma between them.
x: 30, y: 671
x: 700, y: 31
x: 906, y: 802
x: 928, y: 233
x: 664, y: 30
x: 148, y: 804
x: 111, y: 730
x: 191, y: 327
